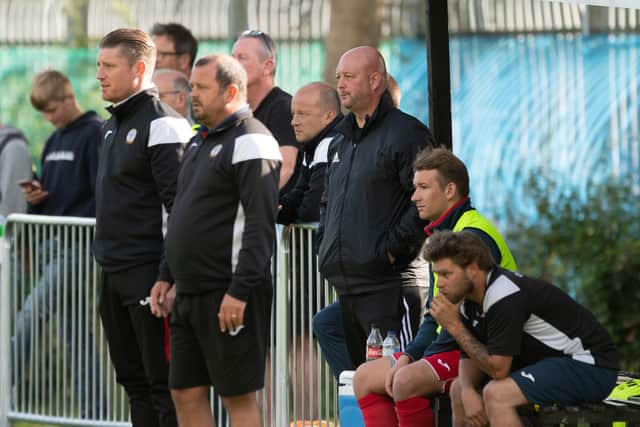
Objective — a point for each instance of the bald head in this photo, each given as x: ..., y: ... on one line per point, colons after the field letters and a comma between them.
x: 325, y: 95
x: 313, y: 108
x: 370, y: 59
x: 362, y: 79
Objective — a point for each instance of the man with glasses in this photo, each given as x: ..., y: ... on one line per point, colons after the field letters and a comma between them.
x: 176, y: 47
x: 173, y: 89
x: 271, y: 105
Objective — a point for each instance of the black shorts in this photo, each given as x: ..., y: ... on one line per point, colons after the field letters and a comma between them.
x: 565, y: 381
x: 201, y: 355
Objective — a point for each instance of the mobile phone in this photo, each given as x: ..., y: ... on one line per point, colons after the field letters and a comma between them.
x: 27, y: 184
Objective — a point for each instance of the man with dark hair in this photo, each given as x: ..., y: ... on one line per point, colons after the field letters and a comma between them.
x: 176, y: 47
x: 523, y: 340
x: 396, y: 390
x: 227, y: 193
x: 256, y: 51
x: 137, y: 176
x: 370, y: 234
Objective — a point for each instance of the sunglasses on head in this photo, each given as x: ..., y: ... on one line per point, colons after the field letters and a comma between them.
x: 256, y: 34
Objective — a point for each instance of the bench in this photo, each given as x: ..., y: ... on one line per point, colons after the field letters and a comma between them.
x: 602, y: 414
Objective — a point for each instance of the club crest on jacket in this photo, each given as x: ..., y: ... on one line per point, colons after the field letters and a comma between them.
x: 215, y: 150
x: 131, y: 136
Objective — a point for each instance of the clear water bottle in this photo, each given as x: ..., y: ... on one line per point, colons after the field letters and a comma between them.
x: 391, y: 344
x: 3, y: 221
x: 374, y: 343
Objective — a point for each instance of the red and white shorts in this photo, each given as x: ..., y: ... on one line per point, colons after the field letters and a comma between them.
x: 445, y: 366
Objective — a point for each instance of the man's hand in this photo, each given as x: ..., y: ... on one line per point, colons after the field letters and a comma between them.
x: 33, y: 192
x: 231, y: 314
x: 162, y: 297
x: 473, y: 408
x: 445, y: 312
x: 388, y: 381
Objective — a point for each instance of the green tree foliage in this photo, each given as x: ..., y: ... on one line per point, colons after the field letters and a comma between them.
x: 77, y: 11
x: 590, y: 246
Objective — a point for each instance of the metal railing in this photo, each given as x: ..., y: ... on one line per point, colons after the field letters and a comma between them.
x: 54, y: 364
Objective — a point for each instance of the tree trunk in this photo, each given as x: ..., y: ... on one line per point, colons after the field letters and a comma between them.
x: 238, y: 18
x: 598, y: 19
x: 353, y: 23
x: 77, y: 15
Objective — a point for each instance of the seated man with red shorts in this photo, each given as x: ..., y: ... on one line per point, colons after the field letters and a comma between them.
x: 395, y: 391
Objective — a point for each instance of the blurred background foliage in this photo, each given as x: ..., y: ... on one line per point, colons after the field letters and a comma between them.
x: 589, y: 246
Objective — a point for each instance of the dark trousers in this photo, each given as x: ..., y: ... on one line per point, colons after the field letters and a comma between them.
x: 137, y: 345
x: 399, y: 309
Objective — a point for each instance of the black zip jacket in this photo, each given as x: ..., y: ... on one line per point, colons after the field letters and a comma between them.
x: 222, y: 229
x: 69, y: 167
x: 302, y: 203
x: 366, y: 210
x: 137, y: 174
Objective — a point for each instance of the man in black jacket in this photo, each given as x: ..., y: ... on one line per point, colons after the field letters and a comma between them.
x: 316, y: 111
x: 370, y: 232
x: 137, y: 175
x: 219, y: 246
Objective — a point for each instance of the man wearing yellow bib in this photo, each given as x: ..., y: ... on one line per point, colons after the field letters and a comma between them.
x: 396, y: 391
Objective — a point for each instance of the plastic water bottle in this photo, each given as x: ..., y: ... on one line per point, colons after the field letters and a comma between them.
x: 374, y: 343
x: 3, y: 221
x: 390, y: 344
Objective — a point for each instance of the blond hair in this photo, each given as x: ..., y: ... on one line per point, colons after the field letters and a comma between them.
x: 47, y: 86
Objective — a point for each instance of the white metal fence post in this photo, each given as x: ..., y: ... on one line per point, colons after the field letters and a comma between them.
x: 5, y: 334
x: 22, y: 250
x: 281, y: 383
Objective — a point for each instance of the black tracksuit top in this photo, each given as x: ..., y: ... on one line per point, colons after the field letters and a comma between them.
x: 222, y: 228
x: 137, y: 174
x: 302, y: 203
x: 366, y: 209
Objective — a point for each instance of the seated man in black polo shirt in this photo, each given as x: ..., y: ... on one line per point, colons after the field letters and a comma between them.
x: 523, y: 340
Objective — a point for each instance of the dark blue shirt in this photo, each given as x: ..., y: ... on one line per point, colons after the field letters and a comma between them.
x: 69, y: 167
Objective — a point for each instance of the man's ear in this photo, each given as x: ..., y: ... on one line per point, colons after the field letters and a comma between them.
x: 230, y: 93
x: 472, y: 270
x: 269, y: 66
x: 450, y: 190
x: 375, y: 80
x: 182, y: 97
x: 184, y: 60
x: 328, y: 116
x: 141, y: 68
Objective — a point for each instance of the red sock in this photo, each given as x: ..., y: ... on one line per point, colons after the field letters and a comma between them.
x: 415, y: 412
x: 377, y: 411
